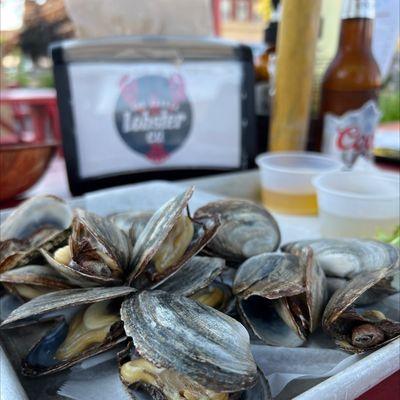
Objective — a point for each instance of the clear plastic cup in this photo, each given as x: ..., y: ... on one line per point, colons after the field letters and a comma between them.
x: 357, y: 204
x: 286, y: 180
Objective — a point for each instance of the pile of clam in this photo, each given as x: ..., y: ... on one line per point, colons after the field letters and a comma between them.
x: 173, y: 287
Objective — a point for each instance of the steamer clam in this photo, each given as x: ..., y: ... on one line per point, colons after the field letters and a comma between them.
x: 359, y: 329
x: 33, y: 280
x: 246, y: 230
x: 169, y: 239
x: 281, y: 296
x: 99, y: 322
x: 343, y: 259
x: 40, y: 222
x: 97, y: 253
x: 94, y: 328
x: 184, y: 350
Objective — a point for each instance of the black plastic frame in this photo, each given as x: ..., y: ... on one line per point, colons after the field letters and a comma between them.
x: 79, y: 185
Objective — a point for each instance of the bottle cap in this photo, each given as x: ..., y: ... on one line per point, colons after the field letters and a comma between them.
x: 358, y: 9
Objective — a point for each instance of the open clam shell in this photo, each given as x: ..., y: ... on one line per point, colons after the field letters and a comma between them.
x: 216, y: 295
x: 41, y: 221
x: 33, y: 280
x: 15, y: 253
x: 376, y: 293
x: 161, y: 383
x: 153, y: 240
x: 280, y: 297
x: 345, y: 258
x: 246, y: 230
x: 98, y: 247
x: 74, y: 276
x: 98, y: 252
x: 91, y: 329
x: 195, y: 341
x: 27, y: 313
x: 34, y: 215
x: 354, y: 329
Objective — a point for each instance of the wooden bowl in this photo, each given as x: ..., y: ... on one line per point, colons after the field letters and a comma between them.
x: 22, y: 165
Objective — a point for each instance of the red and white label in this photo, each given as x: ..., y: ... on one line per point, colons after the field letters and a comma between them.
x: 351, y: 134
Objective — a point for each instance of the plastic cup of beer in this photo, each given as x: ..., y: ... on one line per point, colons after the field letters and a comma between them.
x: 286, y: 180
x: 358, y: 204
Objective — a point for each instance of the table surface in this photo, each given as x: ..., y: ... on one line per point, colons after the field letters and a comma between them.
x: 55, y: 182
x: 27, y: 95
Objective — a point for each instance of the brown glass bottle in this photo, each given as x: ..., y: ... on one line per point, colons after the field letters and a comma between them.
x: 351, y: 81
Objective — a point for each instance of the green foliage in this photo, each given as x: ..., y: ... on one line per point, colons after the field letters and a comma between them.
x: 46, y: 80
x: 393, y: 239
x: 389, y: 103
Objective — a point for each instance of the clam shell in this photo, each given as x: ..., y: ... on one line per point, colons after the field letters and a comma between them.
x: 281, y: 296
x: 197, y: 341
x: 142, y: 391
x: 41, y: 275
x: 60, y: 300
x: 345, y: 258
x: 92, y: 233
x: 262, y: 283
x: 75, y: 276
x: 41, y: 221
x: 228, y: 303
x: 341, y: 316
x: 35, y: 214
x: 152, y: 237
x: 270, y: 275
x: 246, y: 230
x: 195, y: 274
x: 264, y: 321
x: 34, y: 365
x: 156, y: 231
x: 378, y: 292
x: 316, y: 289
x: 15, y: 253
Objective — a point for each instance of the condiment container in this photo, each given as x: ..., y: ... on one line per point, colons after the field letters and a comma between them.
x: 357, y: 204
x: 286, y: 180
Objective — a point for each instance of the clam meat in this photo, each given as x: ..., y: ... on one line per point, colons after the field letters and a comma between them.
x: 40, y: 222
x: 358, y: 329
x: 169, y: 239
x: 33, y: 280
x: 185, y: 349
x: 98, y: 252
x: 95, y: 327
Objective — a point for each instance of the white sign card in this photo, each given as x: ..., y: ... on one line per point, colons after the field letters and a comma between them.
x: 148, y: 116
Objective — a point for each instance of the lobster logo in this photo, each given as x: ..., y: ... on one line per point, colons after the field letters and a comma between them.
x: 153, y: 115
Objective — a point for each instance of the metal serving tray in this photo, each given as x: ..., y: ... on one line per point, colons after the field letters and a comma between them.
x: 347, y: 384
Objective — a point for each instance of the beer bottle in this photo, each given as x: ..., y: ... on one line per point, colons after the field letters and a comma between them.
x: 350, y: 87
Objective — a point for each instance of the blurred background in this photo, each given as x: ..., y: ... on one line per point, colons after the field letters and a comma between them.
x: 29, y: 109
x: 29, y: 26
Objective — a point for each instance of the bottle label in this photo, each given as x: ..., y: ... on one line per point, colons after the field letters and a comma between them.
x: 351, y: 134
x: 358, y: 9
